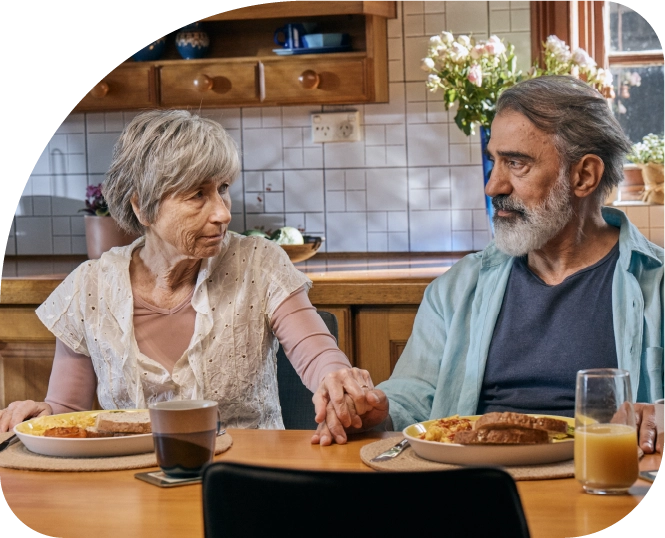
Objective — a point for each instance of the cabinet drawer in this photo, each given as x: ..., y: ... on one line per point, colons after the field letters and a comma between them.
x: 128, y: 86
x: 208, y: 84
x: 316, y: 80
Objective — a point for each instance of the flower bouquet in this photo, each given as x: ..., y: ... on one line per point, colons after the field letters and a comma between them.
x: 471, y: 73
x: 559, y: 60
x: 648, y: 155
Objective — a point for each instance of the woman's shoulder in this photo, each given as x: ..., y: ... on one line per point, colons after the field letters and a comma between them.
x: 255, y: 247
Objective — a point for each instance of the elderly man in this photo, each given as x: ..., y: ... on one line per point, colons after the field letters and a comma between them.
x: 567, y: 284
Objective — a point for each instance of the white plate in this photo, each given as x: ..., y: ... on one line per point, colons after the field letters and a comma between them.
x: 489, y: 454
x: 81, y: 448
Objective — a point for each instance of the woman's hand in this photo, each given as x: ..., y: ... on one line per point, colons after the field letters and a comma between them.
x: 376, y: 406
x: 17, y: 412
x: 334, y: 387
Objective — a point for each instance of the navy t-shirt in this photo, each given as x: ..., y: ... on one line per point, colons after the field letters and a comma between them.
x: 544, y: 334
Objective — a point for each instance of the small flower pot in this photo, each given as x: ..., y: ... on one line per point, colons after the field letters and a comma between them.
x: 652, y: 174
x: 102, y: 234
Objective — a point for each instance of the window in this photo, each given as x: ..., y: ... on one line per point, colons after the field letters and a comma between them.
x: 635, y: 57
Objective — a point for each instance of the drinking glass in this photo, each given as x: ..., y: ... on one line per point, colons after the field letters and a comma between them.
x: 605, y: 431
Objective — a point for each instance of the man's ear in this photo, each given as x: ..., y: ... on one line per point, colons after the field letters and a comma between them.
x: 137, y: 212
x: 586, y: 174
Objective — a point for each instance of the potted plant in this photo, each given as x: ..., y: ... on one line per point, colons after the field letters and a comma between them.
x: 101, y: 230
x: 648, y: 156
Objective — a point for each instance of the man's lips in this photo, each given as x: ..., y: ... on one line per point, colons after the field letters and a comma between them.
x: 506, y: 213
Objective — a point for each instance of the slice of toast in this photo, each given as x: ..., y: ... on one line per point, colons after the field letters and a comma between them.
x: 502, y: 436
x: 115, y: 422
x: 518, y: 420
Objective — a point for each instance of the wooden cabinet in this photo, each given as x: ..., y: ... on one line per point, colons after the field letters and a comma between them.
x: 241, y: 68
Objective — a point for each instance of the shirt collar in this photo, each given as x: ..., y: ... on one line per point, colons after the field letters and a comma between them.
x: 630, y: 240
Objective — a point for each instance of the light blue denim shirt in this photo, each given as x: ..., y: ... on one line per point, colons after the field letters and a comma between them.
x: 441, y: 369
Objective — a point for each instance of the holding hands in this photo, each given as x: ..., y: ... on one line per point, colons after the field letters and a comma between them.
x: 347, y: 402
x: 17, y: 412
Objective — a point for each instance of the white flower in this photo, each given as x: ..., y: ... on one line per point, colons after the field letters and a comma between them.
x: 447, y: 37
x: 634, y: 79
x: 620, y: 108
x: 604, y: 76
x: 464, y: 40
x: 581, y: 58
x: 458, y: 53
x: 554, y: 44
x: 435, y: 41
x: 575, y: 71
x: 494, y: 49
x: 433, y: 81
x: 494, y: 39
x: 477, y: 51
x: 427, y: 64
x: 475, y: 75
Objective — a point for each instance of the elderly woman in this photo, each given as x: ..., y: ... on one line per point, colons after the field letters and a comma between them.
x: 188, y: 311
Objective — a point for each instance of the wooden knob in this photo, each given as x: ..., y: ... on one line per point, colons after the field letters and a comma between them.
x: 203, y: 83
x: 309, y: 80
x: 100, y: 90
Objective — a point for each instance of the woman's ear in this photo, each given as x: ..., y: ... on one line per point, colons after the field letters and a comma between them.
x: 137, y: 212
x: 586, y: 175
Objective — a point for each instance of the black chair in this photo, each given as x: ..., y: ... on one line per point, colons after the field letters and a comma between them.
x: 294, y: 397
x: 247, y: 501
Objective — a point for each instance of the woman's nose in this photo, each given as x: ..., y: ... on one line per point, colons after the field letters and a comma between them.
x: 221, y: 212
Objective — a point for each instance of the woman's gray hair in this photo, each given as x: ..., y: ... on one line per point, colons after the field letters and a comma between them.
x: 580, y: 119
x: 161, y: 153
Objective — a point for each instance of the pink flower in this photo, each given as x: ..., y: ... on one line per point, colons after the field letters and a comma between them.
x: 494, y: 46
x: 477, y: 51
x: 475, y: 75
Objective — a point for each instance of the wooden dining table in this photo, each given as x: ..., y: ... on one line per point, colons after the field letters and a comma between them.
x: 115, y: 503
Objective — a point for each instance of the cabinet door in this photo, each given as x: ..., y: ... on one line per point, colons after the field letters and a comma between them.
x: 381, y: 334
x: 315, y: 79
x: 126, y: 87
x: 213, y: 83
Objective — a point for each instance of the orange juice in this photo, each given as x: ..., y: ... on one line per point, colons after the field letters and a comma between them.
x: 606, y: 456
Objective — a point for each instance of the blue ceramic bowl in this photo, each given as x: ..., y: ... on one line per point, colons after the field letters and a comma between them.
x: 192, y: 42
x: 316, y: 41
x: 152, y: 52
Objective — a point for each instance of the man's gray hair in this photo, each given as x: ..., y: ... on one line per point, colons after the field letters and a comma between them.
x: 161, y: 153
x: 580, y: 119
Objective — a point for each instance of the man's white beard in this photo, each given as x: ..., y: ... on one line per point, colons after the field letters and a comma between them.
x: 533, y: 228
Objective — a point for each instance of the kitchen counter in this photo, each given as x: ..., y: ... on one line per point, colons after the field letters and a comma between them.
x: 338, y: 278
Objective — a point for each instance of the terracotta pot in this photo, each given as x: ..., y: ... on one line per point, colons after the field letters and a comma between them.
x: 652, y: 174
x: 102, y: 234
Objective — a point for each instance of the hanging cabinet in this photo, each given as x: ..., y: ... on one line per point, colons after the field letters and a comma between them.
x: 241, y: 68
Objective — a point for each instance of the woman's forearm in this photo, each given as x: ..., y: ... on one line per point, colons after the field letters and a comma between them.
x: 73, y: 381
x: 306, y: 340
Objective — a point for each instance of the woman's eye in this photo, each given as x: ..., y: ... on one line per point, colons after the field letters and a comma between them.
x: 223, y: 188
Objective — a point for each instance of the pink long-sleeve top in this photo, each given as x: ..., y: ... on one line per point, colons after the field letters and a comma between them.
x: 164, y: 335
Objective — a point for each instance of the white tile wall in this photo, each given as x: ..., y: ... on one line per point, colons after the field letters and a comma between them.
x: 649, y: 219
x: 413, y: 183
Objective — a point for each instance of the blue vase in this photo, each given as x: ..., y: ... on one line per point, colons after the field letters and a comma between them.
x: 152, y: 52
x: 192, y: 42
x: 487, y: 170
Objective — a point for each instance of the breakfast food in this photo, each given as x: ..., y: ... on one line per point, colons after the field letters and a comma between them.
x: 497, y: 429
x: 92, y: 425
x: 445, y: 429
x: 519, y: 420
x: 502, y: 436
x: 125, y: 423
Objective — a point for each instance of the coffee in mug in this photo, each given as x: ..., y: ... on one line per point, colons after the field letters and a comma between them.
x: 184, y: 435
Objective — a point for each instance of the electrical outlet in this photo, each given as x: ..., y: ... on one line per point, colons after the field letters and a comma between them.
x: 336, y: 127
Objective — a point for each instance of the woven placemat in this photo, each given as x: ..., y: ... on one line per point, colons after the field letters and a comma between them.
x: 19, y: 457
x: 408, y: 460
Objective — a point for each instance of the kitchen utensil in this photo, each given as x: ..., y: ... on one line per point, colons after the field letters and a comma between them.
x: 314, y: 41
x: 392, y: 452
x: 606, y: 458
x: 9, y: 441
x: 290, y: 36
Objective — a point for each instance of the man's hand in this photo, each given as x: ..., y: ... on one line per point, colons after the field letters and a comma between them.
x: 17, y: 412
x: 645, y: 419
x: 376, y: 406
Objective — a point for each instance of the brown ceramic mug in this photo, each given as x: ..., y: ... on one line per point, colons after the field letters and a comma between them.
x: 184, y: 433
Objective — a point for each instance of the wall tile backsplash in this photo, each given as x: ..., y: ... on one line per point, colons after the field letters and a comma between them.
x: 412, y: 184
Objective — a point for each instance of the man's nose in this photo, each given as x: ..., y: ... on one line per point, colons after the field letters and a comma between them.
x: 498, y: 183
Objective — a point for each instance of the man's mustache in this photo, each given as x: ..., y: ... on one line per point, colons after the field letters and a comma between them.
x: 503, y: 202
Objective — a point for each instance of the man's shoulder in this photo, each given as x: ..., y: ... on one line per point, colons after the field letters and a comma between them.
x: 463, y: 273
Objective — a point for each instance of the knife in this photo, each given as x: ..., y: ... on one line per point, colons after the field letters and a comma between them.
x: 392, y: 452
x: 7, y: 442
